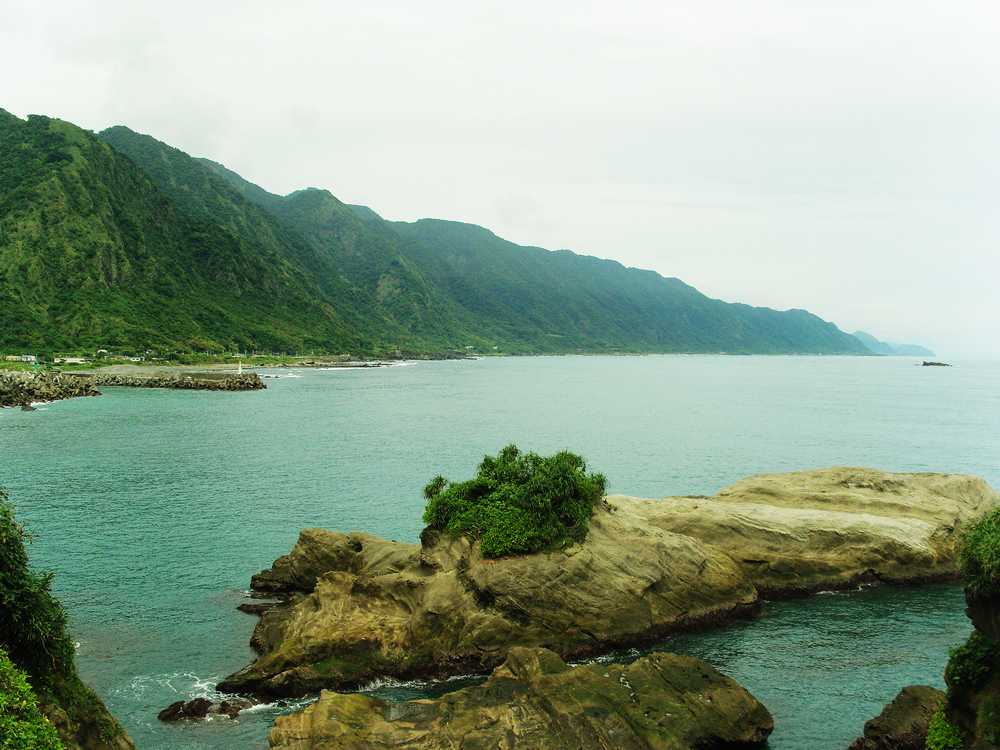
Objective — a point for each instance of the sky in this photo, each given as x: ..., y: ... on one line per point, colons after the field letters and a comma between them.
x: 839, y: 156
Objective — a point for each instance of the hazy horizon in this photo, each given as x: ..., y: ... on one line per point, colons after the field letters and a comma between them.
x: 790, y: 155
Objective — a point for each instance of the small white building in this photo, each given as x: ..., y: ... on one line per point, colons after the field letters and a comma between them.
x: 21, y: 358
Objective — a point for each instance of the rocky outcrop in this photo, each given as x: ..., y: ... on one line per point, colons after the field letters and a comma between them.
x: 358, y: 607
x: 199, y: 382
x: 806, y: 531
x: 24, y: 388
x: 534, y: 700
x: 973, y: 676
x: 902, y: 725
x: 439, y: 608
x: 200, y: 708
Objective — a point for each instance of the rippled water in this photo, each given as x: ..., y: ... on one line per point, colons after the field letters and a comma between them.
x: 155, y: 507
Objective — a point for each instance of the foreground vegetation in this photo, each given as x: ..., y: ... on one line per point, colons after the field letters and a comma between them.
x: 22, y: 724
x: 517, y: 503
x: 33, y: 634
x: 970, y: 717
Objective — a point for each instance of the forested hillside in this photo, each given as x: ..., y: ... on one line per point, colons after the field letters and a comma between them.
x: 120, y: 240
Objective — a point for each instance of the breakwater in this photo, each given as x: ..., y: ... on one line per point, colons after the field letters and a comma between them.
x: 22, y: 389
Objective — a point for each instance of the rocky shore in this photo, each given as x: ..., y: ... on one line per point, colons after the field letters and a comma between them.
x: 22, y: 389
x: 19, y: 388
x: 192, y: 381
x: 658, y: 702
x: 355, y: 607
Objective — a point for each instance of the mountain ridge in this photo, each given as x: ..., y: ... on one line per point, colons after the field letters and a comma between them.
x: 206, y: 260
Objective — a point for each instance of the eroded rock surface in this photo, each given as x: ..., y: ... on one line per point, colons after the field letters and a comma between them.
x: 534, y: 701
x: 359, y: 607
x: 902, y: 725
x: 833, y: 528
x: 384, y: 608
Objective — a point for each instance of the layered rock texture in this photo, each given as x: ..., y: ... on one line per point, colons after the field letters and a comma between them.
x: 903, y: 723
x: 534, y: 701
x: 833, y: 528
x: 357, y: 607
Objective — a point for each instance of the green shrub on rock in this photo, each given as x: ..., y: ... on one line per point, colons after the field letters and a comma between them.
x: 942, y: 734
x: 517, y: 503
x: 33, y: 634
x: 980, y: 554
x: 22, y: 724
x: 970, y: 663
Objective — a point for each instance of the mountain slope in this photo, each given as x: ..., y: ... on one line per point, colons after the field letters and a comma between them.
x: 578, y: 301
x: 93, y: 254
x: 120, y: 240
x: 889, y: 349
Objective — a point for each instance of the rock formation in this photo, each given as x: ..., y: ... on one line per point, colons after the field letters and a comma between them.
x: 18, y: 388
x: 902, y: 725
x: 833, y: 528
x: 534, y: 701
x: 358, y: 607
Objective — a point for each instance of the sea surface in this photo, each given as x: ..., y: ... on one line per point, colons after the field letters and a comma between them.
x: 154, y: 507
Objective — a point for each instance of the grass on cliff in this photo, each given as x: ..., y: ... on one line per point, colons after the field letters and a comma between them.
x: 33, y: 634
x: 517, y: 503
x: 22, y: 724
x: 980, y: 554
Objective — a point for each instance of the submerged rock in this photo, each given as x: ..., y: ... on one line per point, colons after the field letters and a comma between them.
x: 659, y: 702
x: 359, y: 607
x: 902, y: 725
x: 200, y: 708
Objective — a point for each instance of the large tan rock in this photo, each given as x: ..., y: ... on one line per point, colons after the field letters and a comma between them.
x: 361, y: 607
x: 832, y: 528
x: 442, y: 609
x: 534, y: 701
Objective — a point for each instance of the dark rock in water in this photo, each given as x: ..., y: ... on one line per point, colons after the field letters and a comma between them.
x: 199, y: 708
x: 28, y: 407
x: 256, y: 608
x: 902, y: 725
x: 935, y: 364
x: 193, y: 709
x: 535, y: 701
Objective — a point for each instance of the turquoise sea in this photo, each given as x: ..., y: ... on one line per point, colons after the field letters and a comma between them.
x: 154, y: 507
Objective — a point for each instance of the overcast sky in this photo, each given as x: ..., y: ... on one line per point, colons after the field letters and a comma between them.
x: 840, y: 156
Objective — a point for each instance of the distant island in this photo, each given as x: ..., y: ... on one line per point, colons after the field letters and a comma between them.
x: 118, y: 241
x: 892, y: 350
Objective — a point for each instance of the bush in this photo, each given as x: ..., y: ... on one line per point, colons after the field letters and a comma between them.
x: 33, y: 634
x: 32, y: 621
x: 980, y: 554
x: 22, y: 725
x: 970, y: 663
x: 517, y: 503
x: 942, y: 734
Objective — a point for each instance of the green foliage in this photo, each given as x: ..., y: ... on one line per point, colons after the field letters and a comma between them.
x: 970, y: 663
x: 120, y: 241
x: 980, y: 554
x: 517, y: 503
x: 33, y: 633
x: 22, y: 724
x: 32, y: 621
x: 942, y: 734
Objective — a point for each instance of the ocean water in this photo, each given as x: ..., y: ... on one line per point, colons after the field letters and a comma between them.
x: 154, y: 507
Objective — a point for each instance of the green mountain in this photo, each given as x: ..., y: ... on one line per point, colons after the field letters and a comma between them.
x: 119, y: 240
x: 889, y: 349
